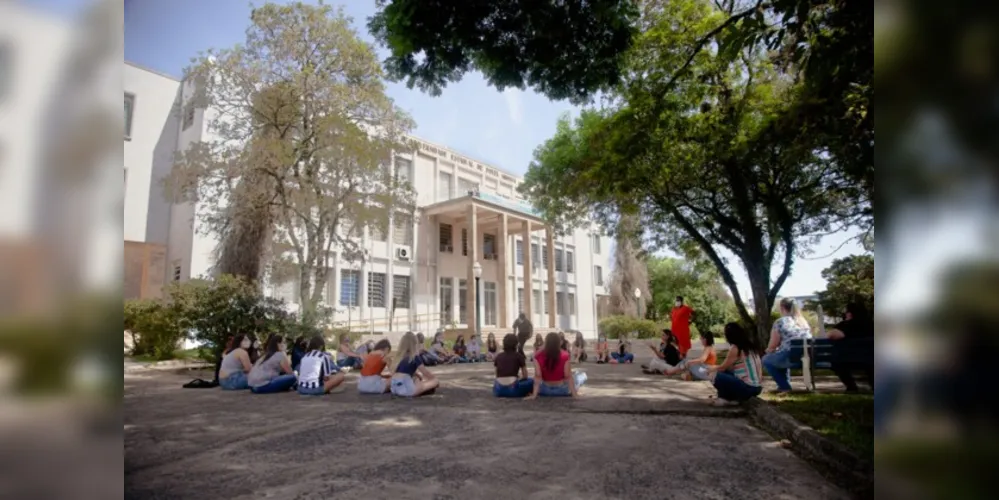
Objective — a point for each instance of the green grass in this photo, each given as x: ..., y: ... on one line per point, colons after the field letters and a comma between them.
x: 943, y: 469
x: 846, y: 418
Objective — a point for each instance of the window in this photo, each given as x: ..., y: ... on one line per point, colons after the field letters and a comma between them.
x: 463, y: 301
x: 596, y: 243
x: 570, y: 262
x: 464, y: 242
x: 547, y: 300
x: 572, y: 304
x: 520, y: 252
x: 444, y: 190
x: 465, y: 185
x: 598, y: 275
x: 447, y: 300
x: 400, y: 291
x: 376, y: 289
x: 447, y: 239
x: 560, y: 303
x: 377, y: 232
x: 188, y: 116
x: 402, y: 230
x: 489, y: 246
x: 535, y: 258
x: 489, y: 303
x: 129, y: 109
x: 558, y: 260
x: 350, y: 287
x: 176, y: 270
x: 544, y: 256
x: 536, y: 296
x: 520, y: 300
x: 403, y: 170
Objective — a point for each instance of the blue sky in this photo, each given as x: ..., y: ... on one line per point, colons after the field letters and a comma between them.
x: 500, y: 128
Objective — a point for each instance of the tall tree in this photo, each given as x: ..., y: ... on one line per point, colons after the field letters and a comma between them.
x: 699, y: 284
x: 850, y: 279
x: 629, y: 272
x: 300, y: 123
x: 710, y: 164
x: 565, y: 50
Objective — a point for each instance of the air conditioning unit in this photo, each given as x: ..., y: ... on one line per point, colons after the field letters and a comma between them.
x: 402, y: 253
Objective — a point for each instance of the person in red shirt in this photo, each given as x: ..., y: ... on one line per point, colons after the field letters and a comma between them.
x: 680, y: 319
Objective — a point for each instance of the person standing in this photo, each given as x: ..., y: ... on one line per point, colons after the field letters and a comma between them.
x: 524, y: 330
x: 680, y: 319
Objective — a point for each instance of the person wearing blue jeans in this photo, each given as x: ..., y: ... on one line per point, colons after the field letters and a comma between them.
x: 553, y: 373
x: 519, y: 389
x: 622, y: 355
x: 511, y: 371
x: 731, y: 388
x: 791, y: 326
x: 562, y: 390
x: 272, y: 372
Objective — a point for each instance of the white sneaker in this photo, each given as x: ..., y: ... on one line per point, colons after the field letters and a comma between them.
x: 723, y: 402
x: 345, y: 370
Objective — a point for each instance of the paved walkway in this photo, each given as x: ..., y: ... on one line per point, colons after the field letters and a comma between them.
x: 629, y: 436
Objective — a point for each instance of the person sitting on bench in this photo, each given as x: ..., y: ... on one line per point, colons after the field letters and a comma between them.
x: 666, y: 357
x: 511, y: 371
x: 318, y: 373
x: 740, y: 377
x: 791, y: 326
x: 622, y: 355
x: 858, y: 325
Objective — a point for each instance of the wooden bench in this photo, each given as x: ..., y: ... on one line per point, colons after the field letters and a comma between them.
x: 821, y: 353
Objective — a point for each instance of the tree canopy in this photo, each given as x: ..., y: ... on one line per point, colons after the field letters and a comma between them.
x: 707, y: 158
x: 697, y: 281
x: 565, y: 50
x: 850, y: 279
x: 301, y: 133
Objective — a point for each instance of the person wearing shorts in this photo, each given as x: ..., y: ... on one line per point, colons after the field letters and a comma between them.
x: 317, y: 372
x: 374, y: 379
x: 411, y: 377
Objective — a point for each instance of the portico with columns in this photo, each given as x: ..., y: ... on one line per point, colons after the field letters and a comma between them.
x: 483, y: 228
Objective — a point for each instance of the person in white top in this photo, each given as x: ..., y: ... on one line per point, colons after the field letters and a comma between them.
x: 475, y: 349
x: 318, y: 373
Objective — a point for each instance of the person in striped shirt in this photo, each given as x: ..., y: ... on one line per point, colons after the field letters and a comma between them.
x: 318, y: 372
x: 740, y: 377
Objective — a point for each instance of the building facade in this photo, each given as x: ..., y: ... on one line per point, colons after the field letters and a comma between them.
x: 420, y: 274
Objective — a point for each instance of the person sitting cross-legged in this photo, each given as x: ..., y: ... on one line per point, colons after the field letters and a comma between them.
x: 346, y: 356
x: 579, y: 348
x: 553, y: 373
x: 740, y: 377
x: 236, y: 364
x: 511, y: 371
x: 492, y: 348
x: 603, y: 350
x: 666, y: 357
x: 317, y: 372
x: 622, y: 355
x: 374, y: 377
x: 272, y: 372
x: 699, y: 367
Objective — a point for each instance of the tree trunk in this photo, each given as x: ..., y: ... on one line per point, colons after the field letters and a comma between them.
x: 760, y: 284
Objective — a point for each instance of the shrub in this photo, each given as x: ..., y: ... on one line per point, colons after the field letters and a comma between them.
x: 155, y: 326
x: 694, y: 332
x: 616, y: 326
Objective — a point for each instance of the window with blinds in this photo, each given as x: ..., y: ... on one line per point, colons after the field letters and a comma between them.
x: 402, y: 230
x: 520, y: 300
x: 598, y: 275
x: 570, y: 262
x: 350, y: 287
x: 572, y: 304
x: 519, y: 245
x: 544, y: 256
x: 376, y: 289
x: 464, y: 242
x: 489, y: 246
x: 489, y: 302
x: 444, y: 190
x: 536, y: 298
x: 560, y: 303
x: 447, y: 238
x: 558, y: 260
x: 403, y: 170
x: 465, y: 185
x: 463, y: 301
x: 447, y: 300
x: 400, y: 291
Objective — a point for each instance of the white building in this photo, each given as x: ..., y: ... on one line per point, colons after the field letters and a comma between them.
x: 467, y: 212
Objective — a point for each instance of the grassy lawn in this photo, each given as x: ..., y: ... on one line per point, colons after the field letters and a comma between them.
x: 846, y: 418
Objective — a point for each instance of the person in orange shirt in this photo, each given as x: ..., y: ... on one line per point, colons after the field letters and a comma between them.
x: 374, y: 379
x: 699, y: 368
x: 680, y: 319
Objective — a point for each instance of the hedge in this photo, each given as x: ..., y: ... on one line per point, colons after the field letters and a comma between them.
x: 616, y: 326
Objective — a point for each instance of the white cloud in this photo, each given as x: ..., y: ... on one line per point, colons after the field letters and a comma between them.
x: 513, y: 105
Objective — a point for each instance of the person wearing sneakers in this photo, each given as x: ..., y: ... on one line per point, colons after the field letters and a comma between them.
x: 666, y: 357
x: 374, y: 379
x: 740, y: 377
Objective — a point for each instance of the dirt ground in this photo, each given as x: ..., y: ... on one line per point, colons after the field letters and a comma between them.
x: 628, y: 436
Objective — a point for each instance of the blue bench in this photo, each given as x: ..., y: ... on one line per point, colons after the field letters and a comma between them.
x: 821, y: 353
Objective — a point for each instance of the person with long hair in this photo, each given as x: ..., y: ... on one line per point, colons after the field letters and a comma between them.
x: 318, y: 373
x: 429, y: 358
x: 666, y: 357
x: 460, y: 350
x: 442, y: 353
x: 579, y: 348
x: 603, y: 349
x: 539, y: 344
x: 346, y: 357
x: 699, y: 367
x: 565, y: 341
x: 492, y: 349
x: 791, y: 326
x: 374, y: 375
x: 740, y: 377
x: 511, y: 371
x: 254, y: 350
x: 272, y: 372
x: 236, y: 364
x: 553, y: 373
x: 623, y: 353
x: 475, y: 349
x: 411, y: 378
x: 298, y: 350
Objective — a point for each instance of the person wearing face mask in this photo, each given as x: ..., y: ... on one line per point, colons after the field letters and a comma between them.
x: 272, y: 373
x: 680, y: 317
x: 236, y: 364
